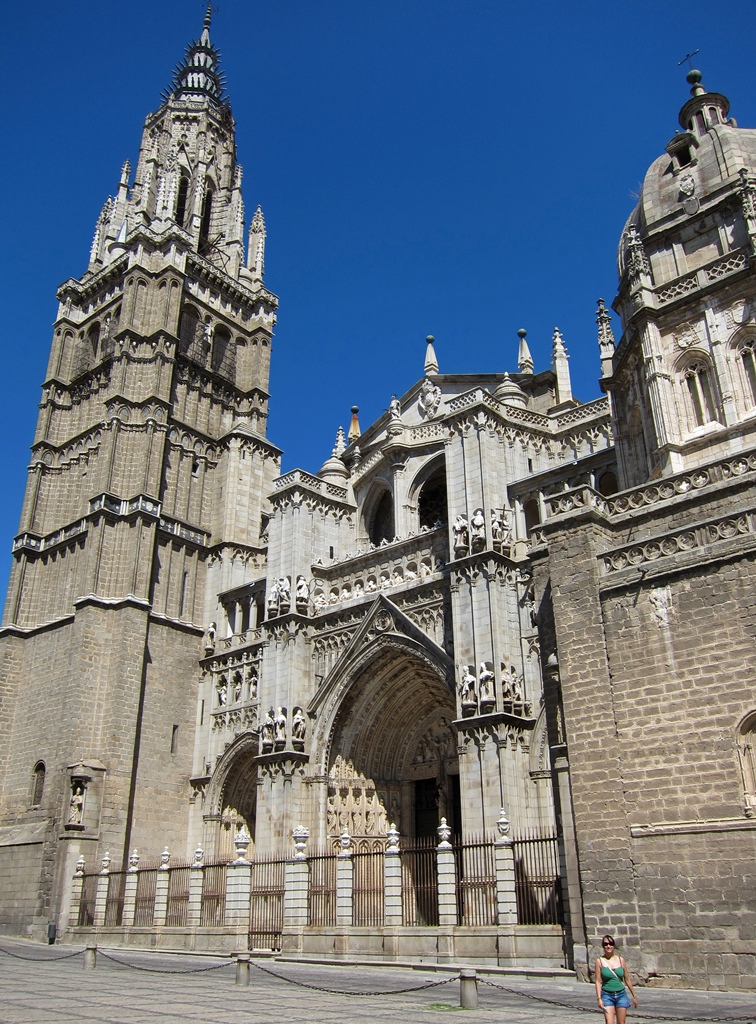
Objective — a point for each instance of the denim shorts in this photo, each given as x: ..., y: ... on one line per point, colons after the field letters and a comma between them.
x: 615, y: 999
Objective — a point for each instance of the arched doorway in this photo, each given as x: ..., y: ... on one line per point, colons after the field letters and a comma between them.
x: 232, y: 800
x: 392, y: 750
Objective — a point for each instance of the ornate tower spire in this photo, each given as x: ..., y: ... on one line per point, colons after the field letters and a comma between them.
x: 256, y: 245
x: 199, y: 74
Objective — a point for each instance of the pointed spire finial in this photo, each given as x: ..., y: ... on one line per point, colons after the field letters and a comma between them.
x: 605, y: 338
x: 354, y: 426
x: 208, y: 17
x: 524, y: 359
x: 340, y: 447
x: 431, y: 363
x: 561, y: 368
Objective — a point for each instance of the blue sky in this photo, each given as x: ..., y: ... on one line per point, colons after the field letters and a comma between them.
x: 461, y: 168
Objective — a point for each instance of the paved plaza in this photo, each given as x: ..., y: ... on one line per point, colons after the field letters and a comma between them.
x: 48, y: 985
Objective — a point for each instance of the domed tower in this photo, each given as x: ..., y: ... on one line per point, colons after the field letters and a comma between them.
x: 682, y: 380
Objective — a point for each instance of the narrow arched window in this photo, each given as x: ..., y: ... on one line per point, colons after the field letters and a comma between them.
x: 382, y: 523
x: 532, y: 515
x: 183, y: 192
x: 748, y: 362
x: 700, y: 395
x: 747, y: 754
x: 38, y: 783
x: 207, y: 213
x: 431, y: 504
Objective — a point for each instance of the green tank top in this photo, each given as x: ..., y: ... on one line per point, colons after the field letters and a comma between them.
x: 608, y: 981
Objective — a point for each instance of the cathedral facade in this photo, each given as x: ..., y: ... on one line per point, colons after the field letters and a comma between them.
x: 495, y: 608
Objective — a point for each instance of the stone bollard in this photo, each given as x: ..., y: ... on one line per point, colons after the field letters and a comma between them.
x: 242, y: 969
x: 90, y: 958
x: 468, y: 989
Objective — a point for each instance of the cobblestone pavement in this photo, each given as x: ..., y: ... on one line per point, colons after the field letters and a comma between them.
x: 41, y: 990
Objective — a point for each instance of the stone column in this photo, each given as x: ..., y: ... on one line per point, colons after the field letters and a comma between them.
x: 162, y: 884
x: 130, y: 891
x: 297, y: 881
x: 101, y: 899
x: 506, y: 897
x: 239, y: 884
x: 392, y: 880
x: 77, y: 888
x: 196, y: 878
x: 344, y: 873
x: 447, y: 887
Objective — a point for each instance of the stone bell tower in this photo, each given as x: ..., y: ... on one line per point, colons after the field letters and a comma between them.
x: 145, y: 498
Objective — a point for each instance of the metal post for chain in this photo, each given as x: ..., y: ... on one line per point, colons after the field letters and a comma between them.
x: 90, y: 958
x: 468, y: 989
x: 242, y: 969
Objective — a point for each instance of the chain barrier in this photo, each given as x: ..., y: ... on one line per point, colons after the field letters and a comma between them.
x: 346, y: 992
x: 156, y: 970
x: 40, y: 959
x: 592, y: 1009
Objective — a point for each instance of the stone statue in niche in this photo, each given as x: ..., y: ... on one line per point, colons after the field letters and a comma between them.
x: 208, y: 641
x: 486, y: 687
x: 429, y: 399
x: 280, y: 729
x: 222, y: 693
x: 253, y: 679
x: 478, y: 526
x: 298, y: 729
x: 303, y: 593
x: 76, y: 803
x: 395, y: 409
x: 468, y: 693
x: 284, y: 594
x: 237, y: 688
x: 320, y: 601
x: 268, y: 732
x: 511, y: 684
x: 273, y: 598
x: 461, y: 533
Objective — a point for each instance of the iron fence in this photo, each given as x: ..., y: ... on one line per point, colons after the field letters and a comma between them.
x: 537, y: 883
x: 177, y: 913
x: 87, y: 902
x: 419, y: 882
x: 114, y: 903
x: 213, y: 909
x: 476, y: 881
x: 323, y: 889
x: 367, y: 888
x: 266, y: 903
x: 144, y: 909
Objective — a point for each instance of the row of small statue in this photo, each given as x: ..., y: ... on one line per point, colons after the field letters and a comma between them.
x: 236, y: 690
x: 478, y: 694
x: 273, y: 731
x: 471, y: 537
x: 279, y: 596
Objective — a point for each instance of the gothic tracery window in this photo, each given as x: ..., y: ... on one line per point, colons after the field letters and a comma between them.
x: 432, y: 501
x: 381, y: 525
x: 701, y: 404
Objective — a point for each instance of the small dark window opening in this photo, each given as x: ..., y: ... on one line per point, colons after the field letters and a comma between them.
x: 432, y: 507
x: 182, y: 599
x: 183, y: 192
x: 38, y: 783
x: 331, y: 552
x: 195, y: 467
x: 683, y: 156
x: 202, y: 713
x: 382, y: 526
x: 174, y: 739
x: 607, y: 484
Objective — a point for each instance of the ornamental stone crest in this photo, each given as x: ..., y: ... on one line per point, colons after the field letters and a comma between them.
x: 429, y: 399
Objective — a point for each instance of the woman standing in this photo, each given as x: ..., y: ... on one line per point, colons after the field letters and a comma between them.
x: 612, y: 982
